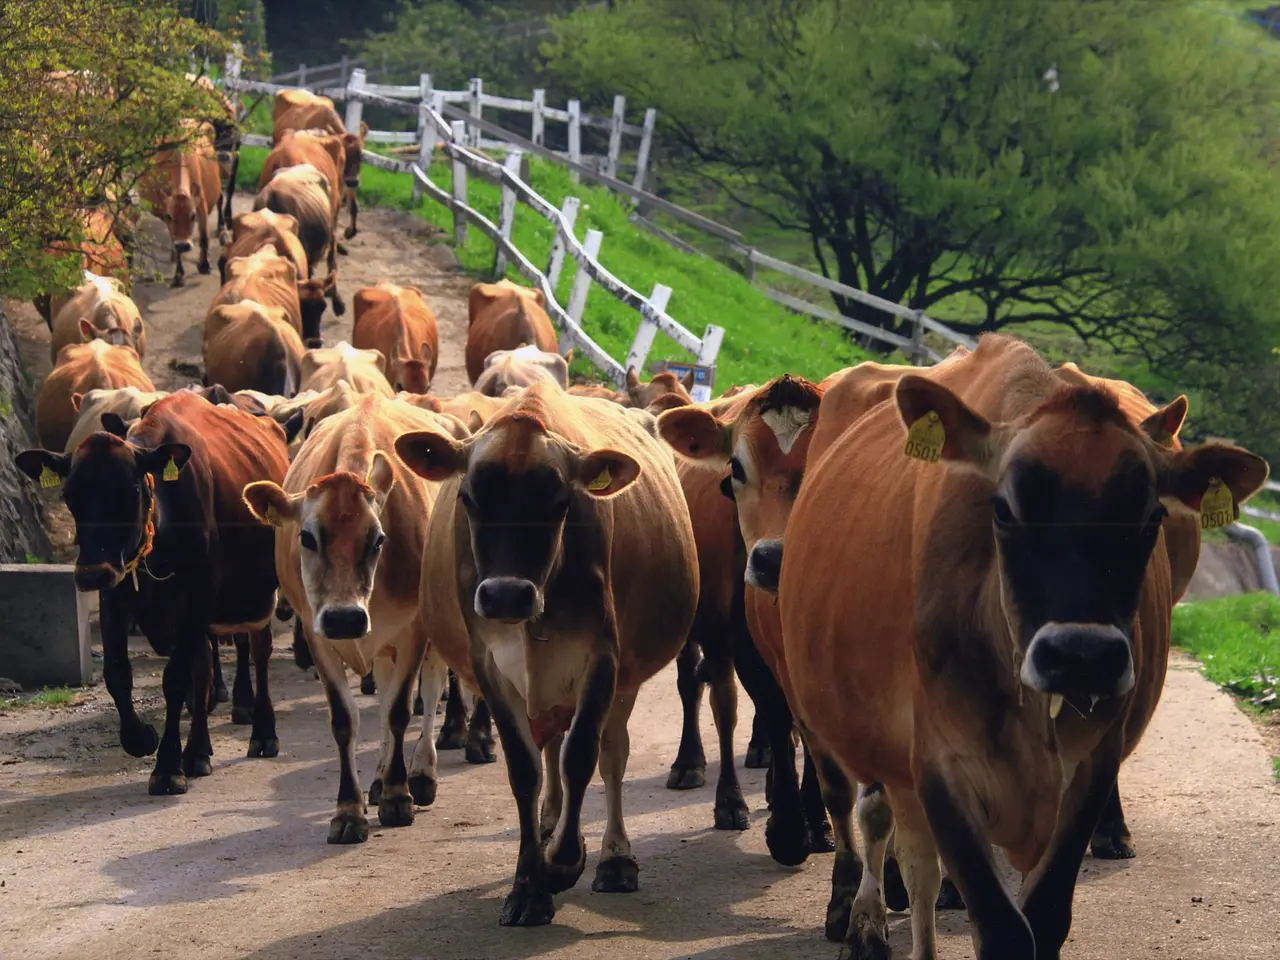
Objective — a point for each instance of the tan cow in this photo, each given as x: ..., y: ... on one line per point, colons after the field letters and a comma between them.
x: 397, y: 322
x: 504, y: 316
x: 643, y: 395
x: 100, y: 309
x: 306, y: 192
x: 250, y: 346
x: 226, y: 143
x: 266, y: 278
x: 79, y: 368
x: 365, y: 370
x: 127, y: 403
x: 511, y: 370
x: 298, y: 110
x: 562, y: 540
x: 183, y: 187
x: 256, y: 229
x: 352, y: 522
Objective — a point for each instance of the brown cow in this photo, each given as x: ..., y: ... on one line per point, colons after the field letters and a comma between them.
x: 352, y: 522
x: 643, y: 395
x: 256, y: 229
x: 504, y: 316
x: 249, y: 346
x: 264, y: 277
x: 302, y: 184
x: 562, y: 540
x: 79, y: 368
x: 182, y: 187
x: 226, y: 143
x: 100, y: 251
x: 98, y: 309
x: 513, y: 370
x: 365, y: 370
x: 1026, y: 569
x: 297, y: 110
x: 166, y: 541
x: 396, y: 321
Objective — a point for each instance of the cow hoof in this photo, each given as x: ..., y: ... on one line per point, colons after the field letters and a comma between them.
x: 687, y: 778
x: 395, y: 811
x: 423, y: 789
x: 1112, y: 847
x: 167, y: 784
x: 139, y: 741
x: 527, y: 908
x: 480, y: 751
x: 221, y: 695
x: 787, y: 839
x: 867, y: 939
x: 348, y: 828
x: 846, y: 877
x: 731, y: 813
x: 895, y: 891
x: 367, y: 685
x: 270, y: 747
x: 196, y: 766
x: 452, y: 738
x: 561, y: 876
x: 419, y: 709
x: 821, y: 840
x: 178, y: 282
x: 375, y: 791
x: 349, y: 232
x: 948, y: 896
x: 617, y: 875
x: 339, y: 308
x: 204, y: 268
x: 241, y: 716
x: 341, y: 248
x: 759, y: 756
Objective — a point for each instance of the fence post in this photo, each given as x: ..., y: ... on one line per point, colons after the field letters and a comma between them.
x: 582, y: 279
x: 575, y: 135
x: 459, y: 186
x: 711, y: 340
x: 302, y: 74
x: 235, y: 57
x: 355, y: 106
x: 477, y: 108
x: 643, y: 342
x: 344, y: 73
x: 569, y: 209
x: 426, y: 147
x: 539, y: 101
x: 506, y: 212
x: 615, y: 135
x: 646, y: 140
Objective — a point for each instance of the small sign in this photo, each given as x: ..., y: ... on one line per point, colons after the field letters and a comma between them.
x: 704, y: 378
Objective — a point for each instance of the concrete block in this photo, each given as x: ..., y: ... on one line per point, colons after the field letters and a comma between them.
x: 44, y: 626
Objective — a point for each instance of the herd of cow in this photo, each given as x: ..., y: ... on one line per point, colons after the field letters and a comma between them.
x: 954, y: 583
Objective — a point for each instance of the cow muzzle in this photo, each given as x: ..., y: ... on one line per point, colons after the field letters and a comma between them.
x: 225, y: 158
x: 347, y: 622
x: 352, y: 182
x: 1080, y: 660
x: 97, y: 576
x: 509, y: 599
x: 764, y: 565
x: 182, y: 246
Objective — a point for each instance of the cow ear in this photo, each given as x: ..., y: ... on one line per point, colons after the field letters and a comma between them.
x: 606, y: 473
x: 633, y: 381
x: 688, y: 379
x: 1163, y: 425
x: 76, y: 400
x: 86, y: 330
x: 364, y: 130
x: 696, y: 434
x: 113, y: 424
x: 940, y: 426
x: 568, y: 356
x: 431, y: 455
x: 270, y: 504
x: 382, y: 477
x: 539, y: 297
x: 165, y: 461
x: 474, y: 421
x: 1187, y: 475
x: 293, y: 426
x: 45, y: 467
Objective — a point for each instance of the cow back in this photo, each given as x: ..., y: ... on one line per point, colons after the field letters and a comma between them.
x: 82, y: 367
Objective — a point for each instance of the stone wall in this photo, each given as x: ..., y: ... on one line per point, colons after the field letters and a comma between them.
x: 21, y: 533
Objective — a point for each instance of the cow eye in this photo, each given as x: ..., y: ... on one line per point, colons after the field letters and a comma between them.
x: 735, y: 470
x: 378, y: 543
x: 726, y: 487
x: 1003, y: 513
x: 308, y: 540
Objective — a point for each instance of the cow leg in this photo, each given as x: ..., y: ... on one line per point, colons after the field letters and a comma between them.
x: 1048, y: 890
x: 339, y: 308
x: 219, y: 693
x: 846, y: 869
x: 198, y: 756
x: 348, y: 824
x: 380, y: 674
x: 479, y: 748
x: 731, y: 809
x: 690, y: 768
x: 422, y: 770
x: 263, y: 741
x: 137, y: 738
x: 758, y: 752
x: 179, y: 274
x: 395, y: 805
x: 369, y: 684
x: 168, y: 777
x: 553, y: 796
x: 353, y: 208
x: 918, y: 855
x: 242, y: 690
x: 230, y: 191
x: 301, y: 652
x: 815, y: 811
x: 868, y: 933
x: 1112, y: 841
x: 453, y: 732
x: 1000, y: 931
x: 202, y: 265
x: 617, y: 871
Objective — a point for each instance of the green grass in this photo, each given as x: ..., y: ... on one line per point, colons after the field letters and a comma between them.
x: 761, y: 341
x: 1237, y: 639
x: 47, y: 698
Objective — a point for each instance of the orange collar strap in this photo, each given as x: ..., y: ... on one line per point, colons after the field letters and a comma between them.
x: 148, y: 533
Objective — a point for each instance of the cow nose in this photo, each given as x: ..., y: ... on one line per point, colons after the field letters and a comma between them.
x: 1079, y: 659
x: 182, y: 246
x: 344, y: 623
x: 764, y: 566
x: 507, y: 598
x: 96, y: 576
x: 352, y: 182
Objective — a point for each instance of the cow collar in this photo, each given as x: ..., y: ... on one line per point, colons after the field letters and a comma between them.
x: 148, y: 536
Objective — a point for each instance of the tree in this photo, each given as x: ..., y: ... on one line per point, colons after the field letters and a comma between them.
x: 996, y: 162
x: 89, y: 93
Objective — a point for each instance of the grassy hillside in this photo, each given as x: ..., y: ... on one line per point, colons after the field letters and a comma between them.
x: 762, y: 340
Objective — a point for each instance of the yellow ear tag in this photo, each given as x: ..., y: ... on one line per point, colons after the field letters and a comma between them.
x: 601, y: 482
x: 925, y: 438
x: 49, y: 479
x: 170, y: 470
x: 1217, y: 509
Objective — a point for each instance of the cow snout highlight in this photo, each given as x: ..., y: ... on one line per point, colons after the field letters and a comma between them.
x: 509, y: 599
x: 96, y: 576
x: 764, y: 565
x: 182, y: 246
x: 1079, y: 659
x: 344, y: 623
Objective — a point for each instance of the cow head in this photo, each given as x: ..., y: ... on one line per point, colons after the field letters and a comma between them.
x: 517, y: 483
x: 105, y: 485
x: 354, y: 145
x: 1075, y: 514
x: 663, y: 384
x: 115, y: 335
x: 764, y: 438
x: 336, y: 521
x: 311, y: 302
x: 413, y: 375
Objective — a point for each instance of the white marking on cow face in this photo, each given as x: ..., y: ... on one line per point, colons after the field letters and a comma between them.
x: 786, y: 424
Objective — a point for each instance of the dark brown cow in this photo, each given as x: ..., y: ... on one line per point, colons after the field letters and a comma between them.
x: 1025, y: 570
x: 183, y: 187
x: 504, y: 316
x: 562, y: 535
x: 166, y: 540
x: 397, y: 322
x: 296, y: 110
